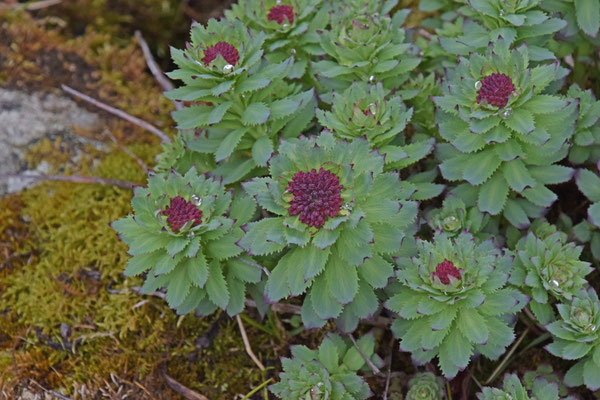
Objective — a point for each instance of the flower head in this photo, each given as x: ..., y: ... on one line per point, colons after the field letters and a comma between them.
x: 445, y: 270
x: 226, y: 50
x: 495, y: 89
x: 280, y: 13
x: 179, y: 212
x: 316, y: 196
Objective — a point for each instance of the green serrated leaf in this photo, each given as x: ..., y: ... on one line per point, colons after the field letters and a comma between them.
x: 216, y: 287
x: 256, y: 114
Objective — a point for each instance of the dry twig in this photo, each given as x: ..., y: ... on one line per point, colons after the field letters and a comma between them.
x: 247, y: 344
x: 38, y: 5
x: 389, y: 371
x: 160, y: 77
x: 73, y: 178
x: 183, y: 390
x: 506, y: 357
x: 255, y: 265
x: 127, y: 151
x: 119, y: 113
x: 376, y: 371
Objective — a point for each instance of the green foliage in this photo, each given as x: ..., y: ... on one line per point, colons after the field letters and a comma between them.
x: 364, y: 46
x: 548, y: 267
x: 515, y: 146
x: 513, y: 389
x: 586, y: 140
x: 453, y: 300
x: 298, y: 38
x: 246, y: 105
x: 576, y: 337
x: 425, y: 386
x: 517, y: 21
x: 328, y: 372
x: 454, y: 218
x: 342, y: 262
x: 197, y: 263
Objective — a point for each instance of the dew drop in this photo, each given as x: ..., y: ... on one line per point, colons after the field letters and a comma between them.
x: 555, y: 283
x: 195, y: 200
x: 373, y: 108
x: 285, y: 25
x: 228, y: 68
x: 507, y: 113
x: 478, y: 85
x: 293, y: 51
x: 371, y: 78
x: 190, y: 235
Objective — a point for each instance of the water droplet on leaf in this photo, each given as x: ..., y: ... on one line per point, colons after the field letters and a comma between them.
x: 507, y: 113
x: 228, y: 68
x: 195, y: 200
x: 478, y: 85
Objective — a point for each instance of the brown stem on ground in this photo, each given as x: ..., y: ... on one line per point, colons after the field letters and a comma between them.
x: 376, y: 371
x: 119, y: 113
x: 183, y: 390
x: 247, y: 344
x: 73, y: 178
x: 127, y: 151
x: 160, y: 77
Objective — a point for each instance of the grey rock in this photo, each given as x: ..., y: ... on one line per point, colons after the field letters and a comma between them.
x: 25, y: 119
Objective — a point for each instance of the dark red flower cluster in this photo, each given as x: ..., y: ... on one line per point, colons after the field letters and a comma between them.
x: 226, y: 50
x: 280, y: 13
x: 179, y: 212
x: 316, y: 196
x: 445, y: 270
x: 495, y: 89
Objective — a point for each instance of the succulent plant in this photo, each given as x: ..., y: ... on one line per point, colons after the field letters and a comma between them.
x: 366, y: 110
x: 580, y: 14
x: 425, y: 386
x: 337, y: 216
x: 183, y: 232
x: 548, y: 267
x: 494, y: 114
x: 517, y: 21
x: 588, y: 231
x: 364, y: 46
x: 586, y: 140
x: 328, y: 373
x: 453, y: 301
x: 454, y: 218
x: 291, y: 27
x: 545, y: 372
x: 245, y: 103
x: 577, y: 337
x: 513, y: 389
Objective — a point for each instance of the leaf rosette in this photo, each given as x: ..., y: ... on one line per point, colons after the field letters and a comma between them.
x: 577, y: 337
x: 513, y: 389
x: 366, y: 110
x: 586, y: 140
x: 453, y: 301
x: 243, y: 107
x: 337, y: 217
x: 548, y: 267
x: 495, y: 115
x: 291, y: 27
x: 519, y: 21
x: 328, y: 373
x: 454, y: 218
x: 183, y: 233
x: 367, y: 47
x: 425, y: 386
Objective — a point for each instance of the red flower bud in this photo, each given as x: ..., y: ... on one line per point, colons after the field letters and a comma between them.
x: 179, y: 212
x: 227, y: 51
x: 316, y: 196
x: 495, y: 89
x: 445, y: 270
x: 280, y: 13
